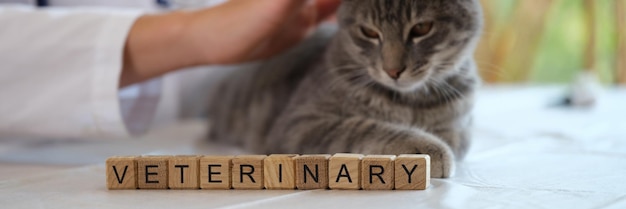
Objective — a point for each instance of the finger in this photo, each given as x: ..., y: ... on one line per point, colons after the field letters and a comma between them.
x: 279, y: 8
x: 294, y: 29
x: 278, y: 45
x: 272, y: 12
x: 264, y: 19
x: 290, y: 35
x: 326, y: 8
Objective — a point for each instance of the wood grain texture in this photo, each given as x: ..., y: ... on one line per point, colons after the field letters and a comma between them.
x: 412, y: 172
x: 184, y: 172
x: 247, y: 172
x: 312, y: 172
x: 121, y: 173
x: 344, y: 171
x: 280, y: 172
x: 152, y: 172
x: 377, y: 172
x: 215, y: 172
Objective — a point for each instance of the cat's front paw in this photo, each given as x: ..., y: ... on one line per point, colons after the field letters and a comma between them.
x: 442, y: 163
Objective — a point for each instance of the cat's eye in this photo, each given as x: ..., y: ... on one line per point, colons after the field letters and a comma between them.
x: 421, y: 29
x: 369, y: 33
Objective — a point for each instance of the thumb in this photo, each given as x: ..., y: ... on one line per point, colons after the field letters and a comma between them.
x: 276, y: 8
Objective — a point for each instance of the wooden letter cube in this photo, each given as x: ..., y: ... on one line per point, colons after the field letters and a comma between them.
x: 247, y: 172
x: 152, y: 172
x: 121, y: 173
x: 183, y: 172
x: 215, y: 172
x: 345, y: 171
x: 412, y: 172
x: 280, y: 172
x: 377, y: 172
x: 312, y: 172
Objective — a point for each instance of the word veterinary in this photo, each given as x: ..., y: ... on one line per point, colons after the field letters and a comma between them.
x: 340, y: 171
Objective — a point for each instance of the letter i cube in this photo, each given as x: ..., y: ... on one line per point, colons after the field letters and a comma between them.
x: 280, y: 172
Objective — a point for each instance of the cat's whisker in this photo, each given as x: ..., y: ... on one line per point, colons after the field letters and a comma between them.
x: 446, y: 94
x: 442, y: 91
x: 394, y: 97
x: 487, y: 67
x: 456, y: 93
x: 436, y: 91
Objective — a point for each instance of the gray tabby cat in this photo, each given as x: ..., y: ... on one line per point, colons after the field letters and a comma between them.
x: 397, y: 77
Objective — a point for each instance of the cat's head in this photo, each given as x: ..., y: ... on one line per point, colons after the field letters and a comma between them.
x: 404, y: 44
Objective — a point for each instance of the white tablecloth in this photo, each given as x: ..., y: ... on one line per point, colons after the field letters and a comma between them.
x: 526, y: 154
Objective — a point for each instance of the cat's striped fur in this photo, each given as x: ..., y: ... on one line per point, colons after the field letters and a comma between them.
x: 331, y: 94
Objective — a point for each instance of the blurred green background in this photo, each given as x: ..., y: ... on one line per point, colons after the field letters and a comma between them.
x: 551, y: 41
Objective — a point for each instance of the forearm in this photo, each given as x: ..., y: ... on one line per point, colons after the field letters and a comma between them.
x: 234, y: 32
x: 155, y: 46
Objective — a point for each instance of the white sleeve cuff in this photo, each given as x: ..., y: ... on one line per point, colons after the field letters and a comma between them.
x: 139, y: 105
x: 106, y: 74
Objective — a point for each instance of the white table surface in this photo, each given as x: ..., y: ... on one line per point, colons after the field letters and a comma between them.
x: 526, y: 154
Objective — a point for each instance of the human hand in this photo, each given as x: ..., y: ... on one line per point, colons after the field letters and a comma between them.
x: 234, y: 32
x: 248, y: 30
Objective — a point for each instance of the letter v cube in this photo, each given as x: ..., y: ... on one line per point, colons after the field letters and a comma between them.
x: 121, y: 173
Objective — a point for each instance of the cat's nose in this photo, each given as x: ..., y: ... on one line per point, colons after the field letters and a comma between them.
x: 394, y: 73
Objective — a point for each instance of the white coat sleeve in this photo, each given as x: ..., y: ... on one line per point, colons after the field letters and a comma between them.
x: 59, y: 71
